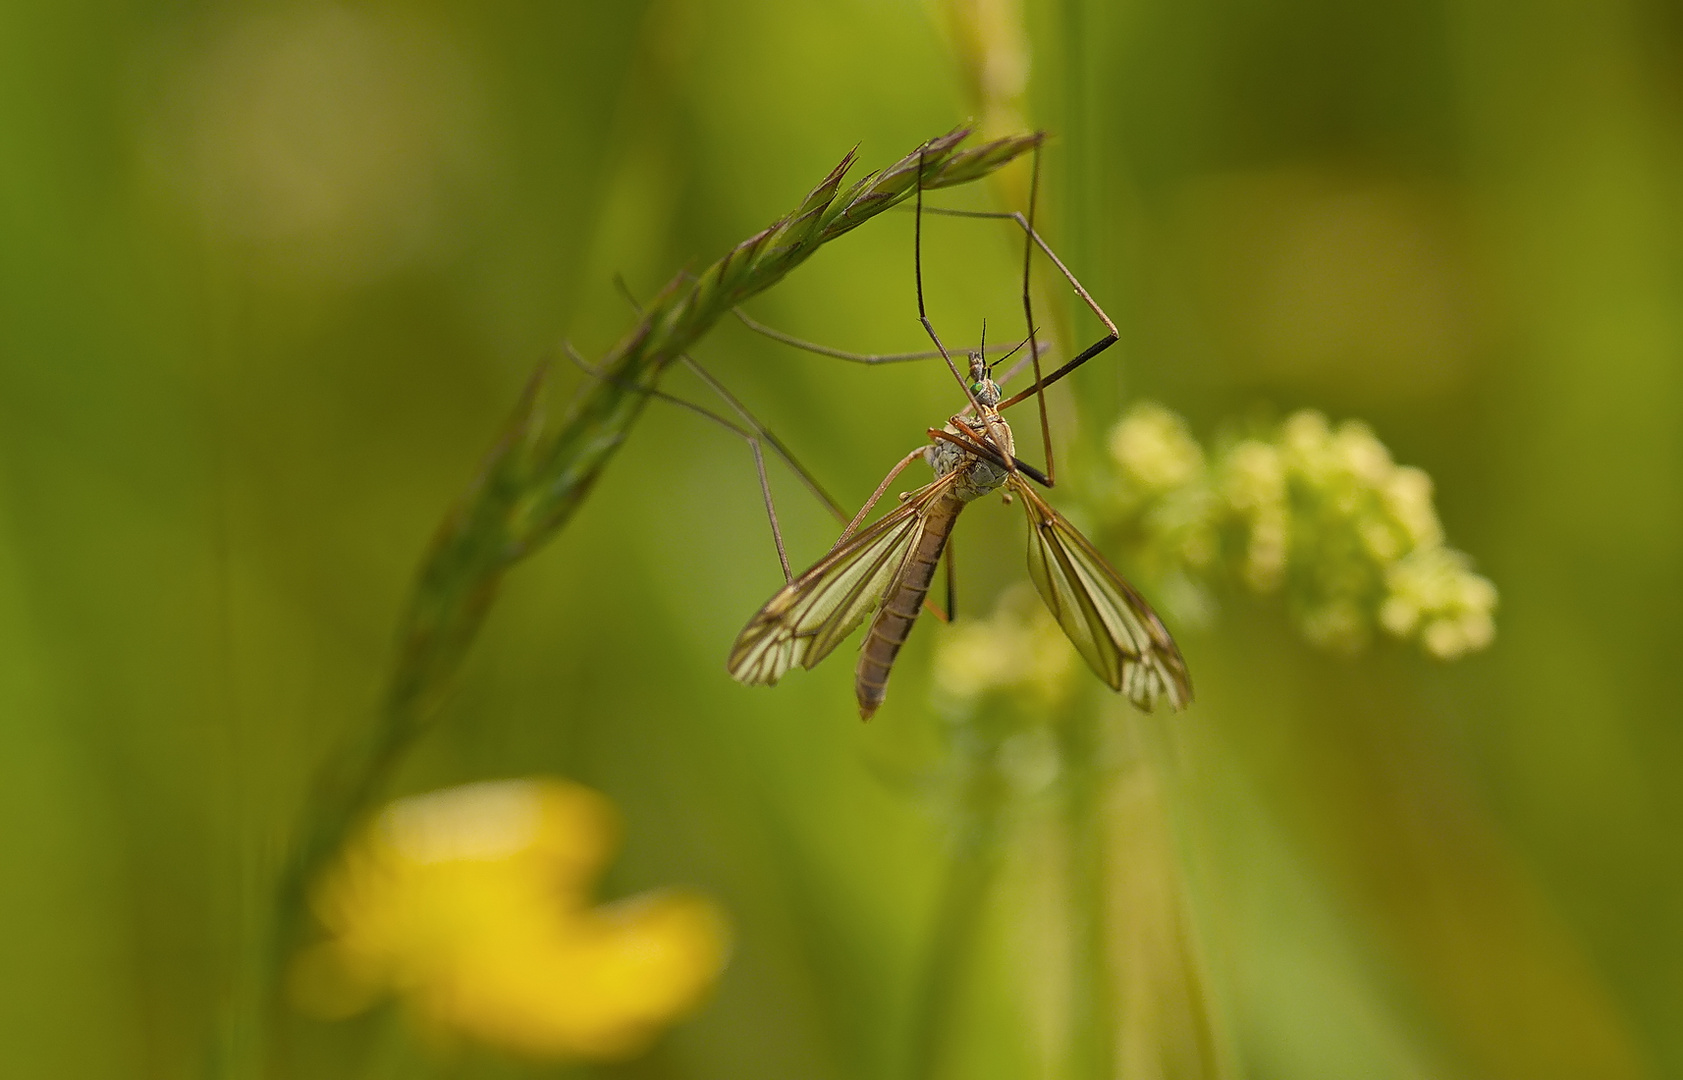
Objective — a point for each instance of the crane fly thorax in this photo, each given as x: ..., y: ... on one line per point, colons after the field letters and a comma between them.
x: 979, y: 476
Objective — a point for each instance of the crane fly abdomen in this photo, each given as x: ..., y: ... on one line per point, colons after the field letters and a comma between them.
x: 882, y: 572
x: 971, y: 477
x: 900, y: 606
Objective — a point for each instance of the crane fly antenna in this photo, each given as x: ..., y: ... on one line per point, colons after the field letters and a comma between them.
x: 1009, y: 355
x: 1111, y: 334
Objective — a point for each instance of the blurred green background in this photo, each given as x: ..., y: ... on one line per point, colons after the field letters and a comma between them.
x: 271, y: 275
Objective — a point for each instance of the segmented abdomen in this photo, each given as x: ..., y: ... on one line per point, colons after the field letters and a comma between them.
x: 893, y: 621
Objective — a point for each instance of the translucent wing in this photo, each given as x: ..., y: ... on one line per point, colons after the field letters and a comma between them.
x: 1110, y: 624
x: 811, y: 615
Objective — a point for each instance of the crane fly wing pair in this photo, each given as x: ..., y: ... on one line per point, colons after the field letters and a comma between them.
x: 811, y: 615
x: 1110, y: 624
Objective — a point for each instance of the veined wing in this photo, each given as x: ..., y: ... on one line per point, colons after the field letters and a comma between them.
x: 811, y: 615
x: 1110, y: 624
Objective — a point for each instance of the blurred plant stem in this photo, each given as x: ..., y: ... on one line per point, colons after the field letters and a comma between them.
x: 980, y: 808
x: 535, y: 479
x: 1094, y: 1020
x: 978, y: 812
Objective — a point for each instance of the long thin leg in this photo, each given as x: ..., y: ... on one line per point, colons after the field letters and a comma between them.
x: 771, y: 510
x: 979, y: 445
x: 995, y: 432
x: 749, y: 437
x: 878, y: 358
x: 765, y: 487
x: 875, y: 495
x: 1028, y: 317
x: 1086, y: 354
x: 765, y: 433
x: 870, y: 358
x: 917, y: 271
x: 982, y: 449
x: 825, y: 350
x: 736, y: 405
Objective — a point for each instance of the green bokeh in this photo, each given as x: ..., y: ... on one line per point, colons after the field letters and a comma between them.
x: 272, y: 275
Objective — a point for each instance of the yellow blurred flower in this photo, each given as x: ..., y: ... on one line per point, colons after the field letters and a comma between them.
x: 473, y: 904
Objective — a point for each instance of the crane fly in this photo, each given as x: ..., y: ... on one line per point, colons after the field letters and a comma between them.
x: 886, y: 567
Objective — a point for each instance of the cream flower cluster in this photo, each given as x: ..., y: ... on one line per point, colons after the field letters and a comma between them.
x: 1316, y: 510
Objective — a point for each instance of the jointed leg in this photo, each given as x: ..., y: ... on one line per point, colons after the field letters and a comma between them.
x: 972, y: 445
x: 1086, y: 354
x: 751, y: 437
x: 975, y: 442
x: 875, y: 495
x: 825, y: 350
x: 857, y: 357
x: 1028, y: 315
x: 730, y: 399
x: 771, y: 510
x: 1031, y: 240
x: 764, y: 433
x: 922, y: 314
